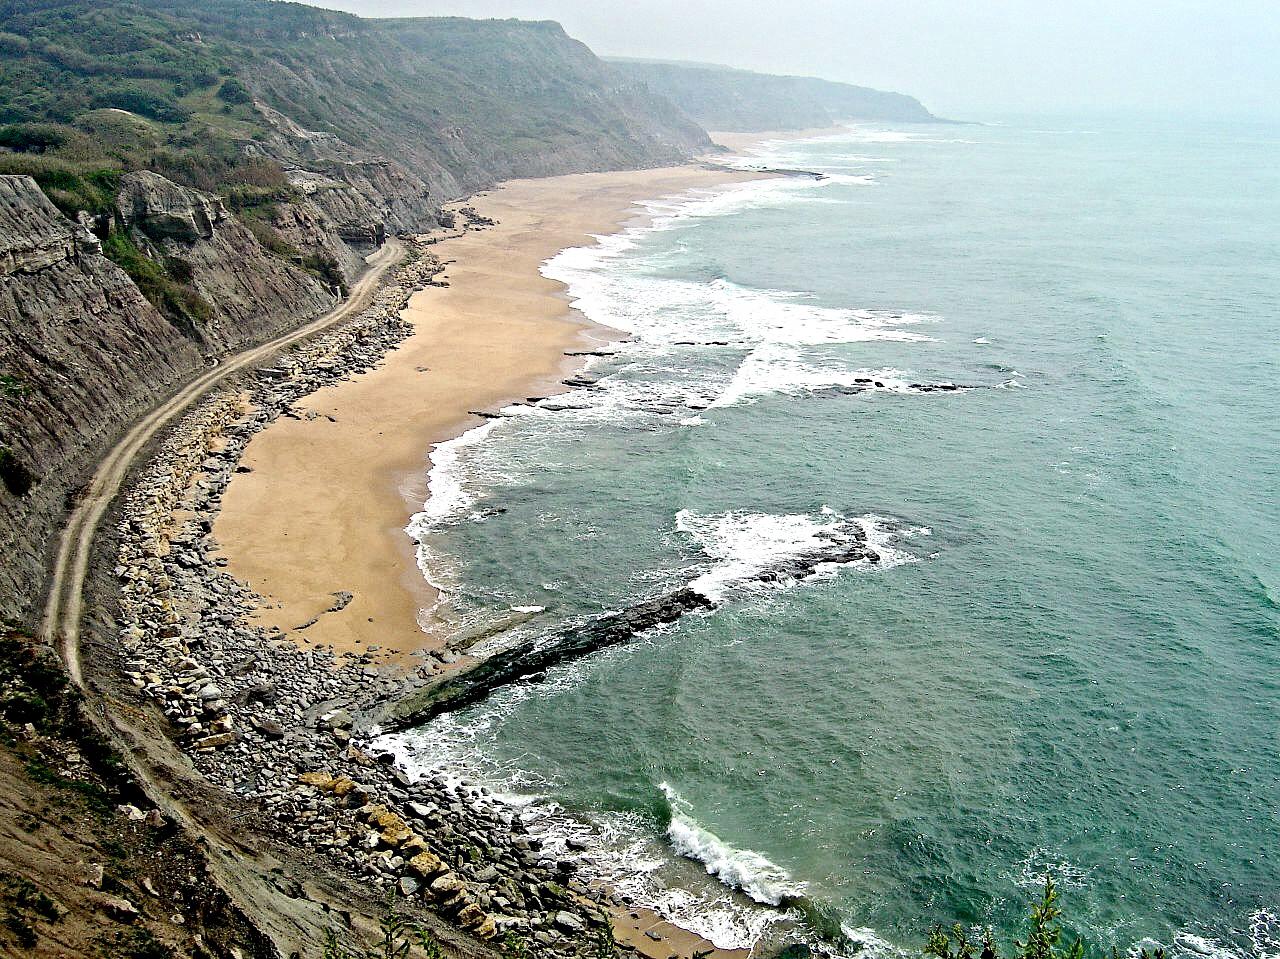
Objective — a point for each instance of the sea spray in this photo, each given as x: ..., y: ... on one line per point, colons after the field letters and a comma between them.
x: 746, y: 545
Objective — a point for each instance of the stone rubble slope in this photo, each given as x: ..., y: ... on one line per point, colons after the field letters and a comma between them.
x: 275, y: 723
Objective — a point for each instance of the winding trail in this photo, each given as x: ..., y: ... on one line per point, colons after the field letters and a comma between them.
x: 65, y: 605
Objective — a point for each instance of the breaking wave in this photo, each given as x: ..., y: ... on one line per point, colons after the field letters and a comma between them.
x: 762, y: 880
x: 744, y: 545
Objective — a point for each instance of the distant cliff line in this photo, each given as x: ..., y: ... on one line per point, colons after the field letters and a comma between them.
x: 725, y: 98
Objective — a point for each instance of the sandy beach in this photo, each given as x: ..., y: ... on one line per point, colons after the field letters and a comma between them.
x: 325, y: 506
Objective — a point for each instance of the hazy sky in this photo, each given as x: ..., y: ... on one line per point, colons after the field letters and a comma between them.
x: 956, y: 55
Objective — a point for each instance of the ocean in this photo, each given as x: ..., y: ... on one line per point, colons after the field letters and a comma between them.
x: 1065, y: 657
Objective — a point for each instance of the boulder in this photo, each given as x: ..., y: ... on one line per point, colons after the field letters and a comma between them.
x: 161, y: 209
x: 569, y: 923
x: 427, y: 865
x: 335, y: 719
x: 445, y: 886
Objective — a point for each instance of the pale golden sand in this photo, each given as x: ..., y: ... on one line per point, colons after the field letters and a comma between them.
x: 325, y: 506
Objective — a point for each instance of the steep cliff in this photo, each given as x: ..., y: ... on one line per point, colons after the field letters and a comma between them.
x: 83, y: 351
x: 721, y: 98
x: 464, y: 103
x: 252, y: 294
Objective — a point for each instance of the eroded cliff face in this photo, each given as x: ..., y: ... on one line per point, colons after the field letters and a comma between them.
x: 356, y: 191
x: 253, y: 293
x: 83, y: 352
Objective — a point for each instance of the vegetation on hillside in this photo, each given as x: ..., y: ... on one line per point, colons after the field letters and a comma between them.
x: 401, y: 938
x: 167, y: 283
x: 484, y: 98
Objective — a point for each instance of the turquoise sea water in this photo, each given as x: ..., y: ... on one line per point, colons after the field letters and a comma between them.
x: 1068, y: 659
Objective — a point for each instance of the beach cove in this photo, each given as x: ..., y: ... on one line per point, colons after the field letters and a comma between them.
x: 324, y: 506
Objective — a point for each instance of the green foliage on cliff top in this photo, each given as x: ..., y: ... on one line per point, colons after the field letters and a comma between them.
x: 70, y: 185
x: 478, y: 99
x: 121, y: 85
x: 61, y: 59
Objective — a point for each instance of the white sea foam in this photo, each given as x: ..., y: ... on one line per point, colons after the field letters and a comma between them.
x: 866, y: 943
x: 1041, y: 864
x: 662, y: 313
x: 744, y: 544
x: 748, y: 343
x: 785, y: 316
x: 449, y: 495
x: 759, y: 878
x: 1262, y: 932
x: 771, y: 370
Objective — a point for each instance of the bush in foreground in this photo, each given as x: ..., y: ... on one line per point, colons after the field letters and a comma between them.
x: 1044, y: 938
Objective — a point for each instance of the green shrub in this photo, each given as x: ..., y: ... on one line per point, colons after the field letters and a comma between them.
x: 271, y: 241
x: 20, y: 708
x: 14, y: 45
x: 1044, y: 938
x: 12, y: 386
x: 147, y: 103
x: 179, y: 302
x: 32, y: 137
x: 70, y: 186
x: 233, y: 91
x: 399, y: 937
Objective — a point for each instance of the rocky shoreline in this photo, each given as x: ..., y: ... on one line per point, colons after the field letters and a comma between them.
x: 271, y: 721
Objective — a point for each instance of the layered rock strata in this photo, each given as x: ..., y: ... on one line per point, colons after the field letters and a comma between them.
x: 83, y: 353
